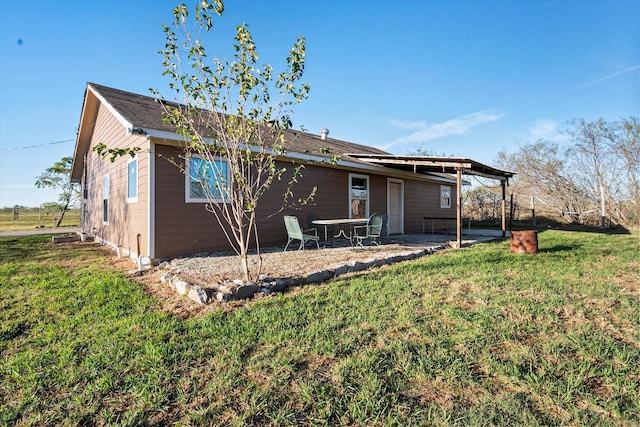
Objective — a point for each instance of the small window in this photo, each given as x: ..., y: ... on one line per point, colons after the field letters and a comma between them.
x: 358, y: 196
x: 132, y: 180
x: 445, y: 196
x: 105, y: 199
x: 85, y: 180
x: 207, y: 180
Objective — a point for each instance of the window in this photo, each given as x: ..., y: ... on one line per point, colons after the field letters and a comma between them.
x: 105, y: 199
x: 85, y: 180
x: 207, y: 180
x: 132, y: 180
x: 445, y: 196
x: 358, y: 196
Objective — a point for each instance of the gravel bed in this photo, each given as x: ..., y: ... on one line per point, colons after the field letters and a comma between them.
x: 209, y: 269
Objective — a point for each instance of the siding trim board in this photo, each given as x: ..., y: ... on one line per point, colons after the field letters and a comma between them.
x: 151, y: 201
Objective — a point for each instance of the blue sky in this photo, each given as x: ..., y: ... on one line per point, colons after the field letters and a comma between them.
x: 463, y: 78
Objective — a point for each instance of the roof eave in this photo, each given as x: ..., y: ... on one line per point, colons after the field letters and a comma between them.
x: 85, y: 129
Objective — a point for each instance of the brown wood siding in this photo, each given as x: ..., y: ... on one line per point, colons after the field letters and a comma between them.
x: 331, y: 201
x: 127, y: 226
x: 378, y: 194
x: 180, y: 228
x: 187, y: 228
x: 422, y: 199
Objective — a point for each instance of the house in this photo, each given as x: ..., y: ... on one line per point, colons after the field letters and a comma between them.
x: 143, y: 206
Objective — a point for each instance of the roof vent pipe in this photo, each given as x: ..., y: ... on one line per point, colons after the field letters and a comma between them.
x: 323, y: 134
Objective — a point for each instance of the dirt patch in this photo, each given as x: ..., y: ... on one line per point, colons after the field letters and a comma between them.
x: 171, y: 302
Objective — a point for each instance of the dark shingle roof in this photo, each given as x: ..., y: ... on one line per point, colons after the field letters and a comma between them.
x: 146, y: 112
x: 139, y: 110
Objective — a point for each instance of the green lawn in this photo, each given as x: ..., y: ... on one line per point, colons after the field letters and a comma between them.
x: 477, y: 336
x: 27, y: 220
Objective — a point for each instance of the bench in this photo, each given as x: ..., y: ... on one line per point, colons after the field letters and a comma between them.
x: 440, y: 218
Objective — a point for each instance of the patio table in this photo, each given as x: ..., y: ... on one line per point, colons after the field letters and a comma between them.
x: 340, y: 223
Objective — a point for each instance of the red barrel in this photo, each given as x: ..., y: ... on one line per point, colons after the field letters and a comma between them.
x: 524, y: 242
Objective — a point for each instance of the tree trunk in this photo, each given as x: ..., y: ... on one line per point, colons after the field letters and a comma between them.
x: 244, y: 262
x: 61, y: 215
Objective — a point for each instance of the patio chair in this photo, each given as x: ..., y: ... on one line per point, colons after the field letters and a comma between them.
x: 372, y: 231
x: 295, y: 232
x: 328, y: 229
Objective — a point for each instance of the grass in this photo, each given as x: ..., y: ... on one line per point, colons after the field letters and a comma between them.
x: 28, y: 220
x: 470, y: 337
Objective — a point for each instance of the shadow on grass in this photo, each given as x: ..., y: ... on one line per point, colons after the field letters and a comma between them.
x: 544, y: 246
x: 13, y: 249
x: 41, y: 248
x: 13, y: 330
x: 545, y: 223
x: 498, y: 253
x: 558, y: 248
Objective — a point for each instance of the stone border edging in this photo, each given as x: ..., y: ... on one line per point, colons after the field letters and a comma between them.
x: 237, y: 290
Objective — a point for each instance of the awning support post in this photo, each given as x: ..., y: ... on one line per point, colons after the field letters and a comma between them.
x: 504, y: 208
x: 459, y: 208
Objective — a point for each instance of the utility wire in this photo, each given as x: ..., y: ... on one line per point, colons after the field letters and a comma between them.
x: 39, y: 145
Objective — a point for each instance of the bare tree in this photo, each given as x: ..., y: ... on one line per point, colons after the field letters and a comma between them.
x: 602, y: 158
x: 232, y: 117
x: 483, y: 203
x: 606, y: 160
x: 627, y: 143
x: 542, y: 171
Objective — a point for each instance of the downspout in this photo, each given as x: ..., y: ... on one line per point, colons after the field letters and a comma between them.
x: 85, y: 196
x: 138, y: 238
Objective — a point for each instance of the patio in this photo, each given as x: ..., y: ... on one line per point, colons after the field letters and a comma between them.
x: 215, y: 275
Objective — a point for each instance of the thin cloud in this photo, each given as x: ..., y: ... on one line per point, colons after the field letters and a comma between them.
x: 547, y: 129
x: 456, y: 126
x: 543, y: 127
x: 406, y: 124
x: 610, y: 76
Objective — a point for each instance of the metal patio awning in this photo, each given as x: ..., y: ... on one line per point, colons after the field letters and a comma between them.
x: 449, y: 165
x: 422, y: 164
